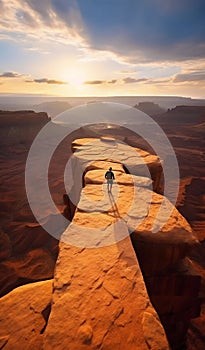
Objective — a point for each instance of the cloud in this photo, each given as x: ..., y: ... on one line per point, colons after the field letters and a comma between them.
x: 99, y: 82
x: 129, y: 80
x: 133, y: 31
x: 30, y: 79
x: 23, y: 20
x: 146, y: 31
x: 113, y: 81
x: 128, y: 71
x: 95, y: 82
x: 157, y: 81
x: 37, y: 50
x: 197, y: 76
x: 10, y: 75
x: 47, y: 81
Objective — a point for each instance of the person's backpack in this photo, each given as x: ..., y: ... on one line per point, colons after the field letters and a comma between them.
x: 109, y: 175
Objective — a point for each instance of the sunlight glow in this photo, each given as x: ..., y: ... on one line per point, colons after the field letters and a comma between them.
x: 75, y: 77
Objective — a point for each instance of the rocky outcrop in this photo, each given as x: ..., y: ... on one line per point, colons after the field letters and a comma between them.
x: 184, y: 125
x: 23, y: 316
x: 109, y: 310
x: 20, y: 127
x: 99, y: 294
x: 100, y: 301
x: 172, y: 285
x: 52, y: 108
x: 135, y: 160
x: 27, y: 252
x: 183, y: 115
x: 150, y: 108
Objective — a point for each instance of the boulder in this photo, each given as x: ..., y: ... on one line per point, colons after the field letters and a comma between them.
x: 23, y: 316
x: 100, y: 301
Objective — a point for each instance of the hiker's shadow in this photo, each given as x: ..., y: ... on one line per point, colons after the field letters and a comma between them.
x: 114, y: 209
x: 121, y: 232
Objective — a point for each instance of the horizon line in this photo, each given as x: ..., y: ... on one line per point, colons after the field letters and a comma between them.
x: 96, y: 96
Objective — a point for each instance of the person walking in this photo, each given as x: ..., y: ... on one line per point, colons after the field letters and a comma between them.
x: 109, y: 175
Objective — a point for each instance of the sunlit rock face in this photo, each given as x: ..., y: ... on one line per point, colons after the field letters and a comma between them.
x: 104, y: 310
x: 100, y: 300
x: 99, y: 293
x: 23, y: 316
x: 135, y: 160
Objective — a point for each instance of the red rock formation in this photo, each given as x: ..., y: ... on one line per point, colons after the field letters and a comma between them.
x: 183, y: 115
x: 173, y: 291
x: 18, y: 226
x: 184, y: 126
x: 27, y: 252
x: 20, y: 127
x: 23, y: 316
x: 150, y: 108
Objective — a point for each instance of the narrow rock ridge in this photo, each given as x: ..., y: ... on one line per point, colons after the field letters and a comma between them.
x: 100, y: 299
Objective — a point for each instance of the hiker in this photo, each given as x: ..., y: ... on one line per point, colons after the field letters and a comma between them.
x: 109, y: 175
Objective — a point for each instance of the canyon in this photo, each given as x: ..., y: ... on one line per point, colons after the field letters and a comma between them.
x: 165, y: 273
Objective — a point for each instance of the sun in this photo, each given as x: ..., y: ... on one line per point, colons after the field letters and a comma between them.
x: 75, y: 77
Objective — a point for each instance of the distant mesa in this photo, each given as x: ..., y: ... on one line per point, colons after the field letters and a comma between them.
x: 19, y: 102
x: 52, y: 108
x: 150, y: 108
x: 20, y: 127
x: 184, y: 115
x: 111, y: 283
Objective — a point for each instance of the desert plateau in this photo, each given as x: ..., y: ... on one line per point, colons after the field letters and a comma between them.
x: 138, y: 291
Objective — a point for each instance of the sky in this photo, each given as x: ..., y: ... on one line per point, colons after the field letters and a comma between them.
x: 102, y: 47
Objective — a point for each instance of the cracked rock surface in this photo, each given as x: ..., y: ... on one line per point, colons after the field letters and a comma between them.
x: 99, y: 299
x: 23, y: 316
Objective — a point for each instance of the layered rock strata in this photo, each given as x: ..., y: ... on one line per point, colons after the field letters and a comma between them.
x: 27, y: 252
x: 99, y: 298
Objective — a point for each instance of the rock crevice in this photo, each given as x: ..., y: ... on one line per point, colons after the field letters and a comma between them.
x: 102, y: 297
x: 107, y: 292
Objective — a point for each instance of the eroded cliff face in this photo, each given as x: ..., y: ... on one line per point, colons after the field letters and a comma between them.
x: 172, y: 282
x: 99, y: 296
x: 101, y: 293
x: 27, y: 253
x: 20, y: 127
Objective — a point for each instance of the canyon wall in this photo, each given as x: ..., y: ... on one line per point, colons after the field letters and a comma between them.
x: 171, y: 281
x: 172, y: 284
x: 28, y: 253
